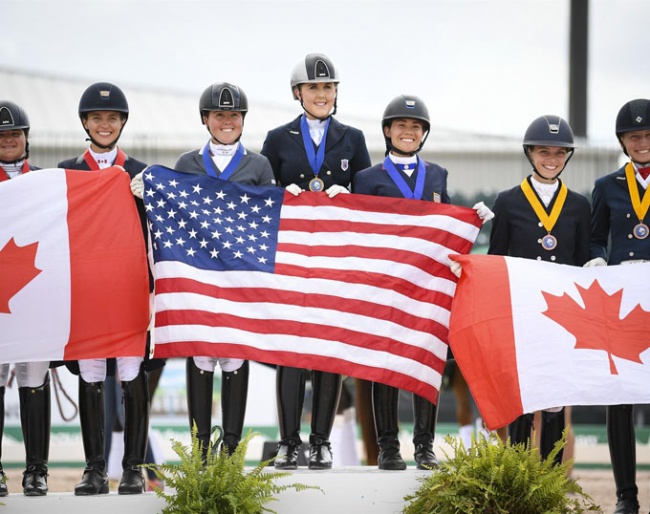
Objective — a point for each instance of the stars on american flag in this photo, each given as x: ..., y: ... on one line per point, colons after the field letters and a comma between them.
x: 210, y: 223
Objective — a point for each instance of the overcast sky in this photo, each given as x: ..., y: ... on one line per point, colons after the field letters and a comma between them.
x: 488, y: 66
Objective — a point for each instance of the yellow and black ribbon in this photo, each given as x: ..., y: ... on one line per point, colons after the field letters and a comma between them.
x: 548, y: 220
x: 640, y: 206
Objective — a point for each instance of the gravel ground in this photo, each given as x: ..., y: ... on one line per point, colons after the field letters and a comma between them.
x: 598, y: 483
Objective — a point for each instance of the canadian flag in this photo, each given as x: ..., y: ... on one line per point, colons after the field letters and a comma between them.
x: 73, y: 270
x: 530, y: 335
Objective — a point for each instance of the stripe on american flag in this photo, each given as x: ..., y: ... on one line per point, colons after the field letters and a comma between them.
x: 355, y: 285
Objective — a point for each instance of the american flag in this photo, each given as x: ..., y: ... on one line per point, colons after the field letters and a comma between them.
x: 356, y: 285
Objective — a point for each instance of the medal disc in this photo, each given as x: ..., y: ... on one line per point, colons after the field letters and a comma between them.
x: 316, y: 184
x: 641, y: 231
x: 549, y: 242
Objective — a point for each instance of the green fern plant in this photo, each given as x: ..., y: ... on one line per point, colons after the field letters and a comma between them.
x: 493, y: 478
x: 218, y: 483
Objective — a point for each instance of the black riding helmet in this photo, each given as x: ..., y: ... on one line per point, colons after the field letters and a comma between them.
x: 549, y: 130
x: 314, y: 68
x: 634, y: 115
x: 14, y: 117
x: 405, y: 106
x: 222, y: 96
x: 103, y: 96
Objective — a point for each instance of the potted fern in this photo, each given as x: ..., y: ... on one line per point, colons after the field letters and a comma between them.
x: 493, y: 478
x: 218, y: 483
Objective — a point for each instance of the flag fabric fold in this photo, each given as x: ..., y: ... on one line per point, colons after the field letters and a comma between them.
x: 356, y: 285
x: 73, y: 269
x: 531, y: 335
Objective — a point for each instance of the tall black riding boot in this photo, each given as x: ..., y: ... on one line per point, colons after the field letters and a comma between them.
x: 199, y: 402
x: 425, y: 415
x: 290, y: 393
x: 519, y: 431
x: 621, y: 439
x: 552, y: 426
x: 384, y: 404
x: 136, y: 428
x: 234, y: 393
x: 91, y: 417
x: 326, y: 390
x: 3, y: 484
x: 35, y: 421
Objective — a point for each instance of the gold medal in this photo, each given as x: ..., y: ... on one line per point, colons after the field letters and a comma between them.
x: 316, y: 184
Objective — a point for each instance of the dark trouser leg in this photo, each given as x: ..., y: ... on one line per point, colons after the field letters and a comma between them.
x: 384, y: 403
x: 35, y: 421
x: 622, y: 450
x: 91, y: 417
x: 552, y: 426
x: 426, y: 415
x: 136, y: 427
x: 520, y: 429
x: 153, y: 377
x: 234, y: 393
x: 3, y: 486
x: 112, y: 406
x: 199, y: 402
x: 327, y: 390
x: 290, y: 392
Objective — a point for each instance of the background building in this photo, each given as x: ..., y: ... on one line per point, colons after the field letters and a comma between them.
x: 163, y: 124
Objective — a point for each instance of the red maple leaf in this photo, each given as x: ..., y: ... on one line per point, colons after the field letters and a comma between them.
x: 16, y: 270
x: 598, y: 325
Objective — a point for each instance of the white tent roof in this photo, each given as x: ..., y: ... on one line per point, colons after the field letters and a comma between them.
x: 172, y: 118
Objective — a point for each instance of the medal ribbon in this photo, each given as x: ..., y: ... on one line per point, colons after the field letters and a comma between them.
x: 208, y: 163
x: 403, y: 186
x: 640, y: 207
x: 547, y: 220
x: 5, y: 176
x: 120, y: 159
x: 315, y: 159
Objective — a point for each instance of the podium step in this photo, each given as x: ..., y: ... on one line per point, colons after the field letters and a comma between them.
x: 356, y: 489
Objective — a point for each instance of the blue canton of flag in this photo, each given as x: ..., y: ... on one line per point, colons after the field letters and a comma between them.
x: 209, y: 223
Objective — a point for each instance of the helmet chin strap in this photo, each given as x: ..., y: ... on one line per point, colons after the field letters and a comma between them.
x: 332, y: 113
x: 14, y: 162
x: 553, y: 179
x: 392, y: 148
x: 23, y: 157
x: 99, y: 145
x: 216, y: 140
x: 109, y: 146
x: 570, y: 154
